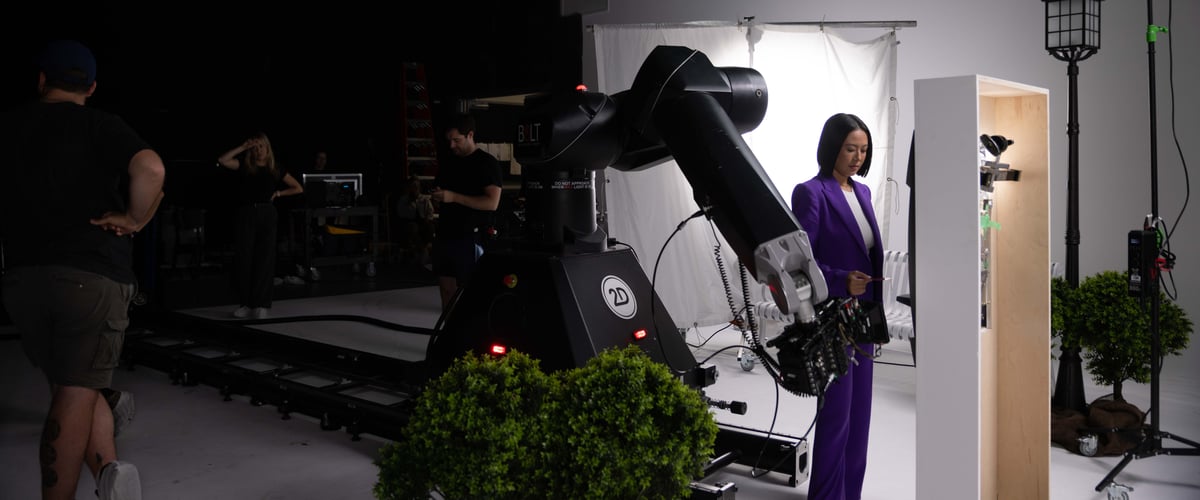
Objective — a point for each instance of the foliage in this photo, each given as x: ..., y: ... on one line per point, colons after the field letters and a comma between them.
x: 622, y: 426
x: 1064, y: 321
x: 476, y: 432
x: 1114, y: 329
x: 631, y: 430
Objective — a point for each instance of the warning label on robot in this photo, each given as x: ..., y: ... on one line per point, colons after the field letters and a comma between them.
x: 618, y: 296
x: 559, y: 185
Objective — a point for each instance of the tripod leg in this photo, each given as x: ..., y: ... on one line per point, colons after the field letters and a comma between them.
x: 1129, y: 455
x: 1167, y: 435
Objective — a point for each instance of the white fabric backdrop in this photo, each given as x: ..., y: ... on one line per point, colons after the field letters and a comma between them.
x: 810, y: 74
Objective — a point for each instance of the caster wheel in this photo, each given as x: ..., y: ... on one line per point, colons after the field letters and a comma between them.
x: 747, y: 363
x: 1118, y: 492
x: 1088, y: 444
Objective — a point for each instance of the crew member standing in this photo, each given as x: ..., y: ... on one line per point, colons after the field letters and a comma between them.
x: 78, y: 183
x: 261, y: 181
x: 467, y: 188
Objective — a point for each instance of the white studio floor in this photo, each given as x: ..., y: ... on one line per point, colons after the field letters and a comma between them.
x: 190, y: 444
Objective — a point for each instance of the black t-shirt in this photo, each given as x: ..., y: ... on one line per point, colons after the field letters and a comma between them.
x: 62, y: 165
x: 468, y: 175
x: 257, y: 185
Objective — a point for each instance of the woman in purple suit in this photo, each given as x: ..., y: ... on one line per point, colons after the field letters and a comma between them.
x: 836, y: 212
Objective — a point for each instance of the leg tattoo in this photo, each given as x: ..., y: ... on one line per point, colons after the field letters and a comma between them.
x: 48, y: 454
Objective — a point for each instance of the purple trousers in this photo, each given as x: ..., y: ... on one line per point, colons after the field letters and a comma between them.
x: 839, y: 447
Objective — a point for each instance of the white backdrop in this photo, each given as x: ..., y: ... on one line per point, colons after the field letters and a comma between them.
x: 811, y: 74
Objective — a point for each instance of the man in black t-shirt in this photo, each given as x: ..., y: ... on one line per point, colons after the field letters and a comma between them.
x: 467, y: 188
x: 78, y: 183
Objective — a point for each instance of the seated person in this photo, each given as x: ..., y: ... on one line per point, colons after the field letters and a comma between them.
x: 413, y: 221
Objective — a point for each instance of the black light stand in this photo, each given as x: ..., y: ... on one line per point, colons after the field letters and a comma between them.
x: 1152, y: 442
x: 1072, y: 35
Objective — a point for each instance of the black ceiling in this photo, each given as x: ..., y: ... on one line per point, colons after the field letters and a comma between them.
x: 180, y: 70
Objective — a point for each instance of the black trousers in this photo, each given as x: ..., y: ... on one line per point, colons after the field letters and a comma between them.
x: 254, y: 229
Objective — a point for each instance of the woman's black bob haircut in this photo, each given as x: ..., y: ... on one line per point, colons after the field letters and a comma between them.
x: 833, y: 136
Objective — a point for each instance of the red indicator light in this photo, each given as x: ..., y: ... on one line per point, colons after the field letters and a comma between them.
x: 640, y: 334
x: 510, y: 280
x: 499, y: 350
x: 581, y: 87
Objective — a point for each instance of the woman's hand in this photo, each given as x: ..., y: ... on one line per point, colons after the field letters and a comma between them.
x: 856, y: 282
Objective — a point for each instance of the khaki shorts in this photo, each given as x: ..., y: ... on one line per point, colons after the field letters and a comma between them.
x: 72, y: 322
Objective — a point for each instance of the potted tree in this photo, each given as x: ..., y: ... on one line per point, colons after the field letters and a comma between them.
x: 622, y: 426
x: 1113, y: 328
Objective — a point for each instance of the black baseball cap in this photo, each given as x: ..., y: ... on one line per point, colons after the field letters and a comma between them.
x: 68, y: 61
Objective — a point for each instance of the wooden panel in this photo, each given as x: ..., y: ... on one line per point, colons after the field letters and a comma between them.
x: 989, y: 443
x: 1023, y: 288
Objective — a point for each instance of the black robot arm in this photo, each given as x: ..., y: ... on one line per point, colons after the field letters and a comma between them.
x: 681, y: 106
x: 730, y: 186
x: 698, y: 113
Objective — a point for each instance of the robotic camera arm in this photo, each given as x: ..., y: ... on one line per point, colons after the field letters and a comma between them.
x: 681, y: 106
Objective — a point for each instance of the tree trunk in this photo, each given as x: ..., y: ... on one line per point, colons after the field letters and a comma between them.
x: 1117, y: 396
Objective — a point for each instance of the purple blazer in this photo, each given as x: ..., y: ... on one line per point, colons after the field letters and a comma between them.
x: 837, y: 243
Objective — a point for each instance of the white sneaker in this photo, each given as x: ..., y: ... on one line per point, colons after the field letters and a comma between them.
x: 122, y: 411
x: 242, y: 312
x: 119, y: 481
x: 260, y: 312
x: 294, y: 280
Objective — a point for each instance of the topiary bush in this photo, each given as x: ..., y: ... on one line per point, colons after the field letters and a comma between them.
x: 477, y: 431
x: 1114, y: 329
x: 622, y: 426
x: 629, y: 429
